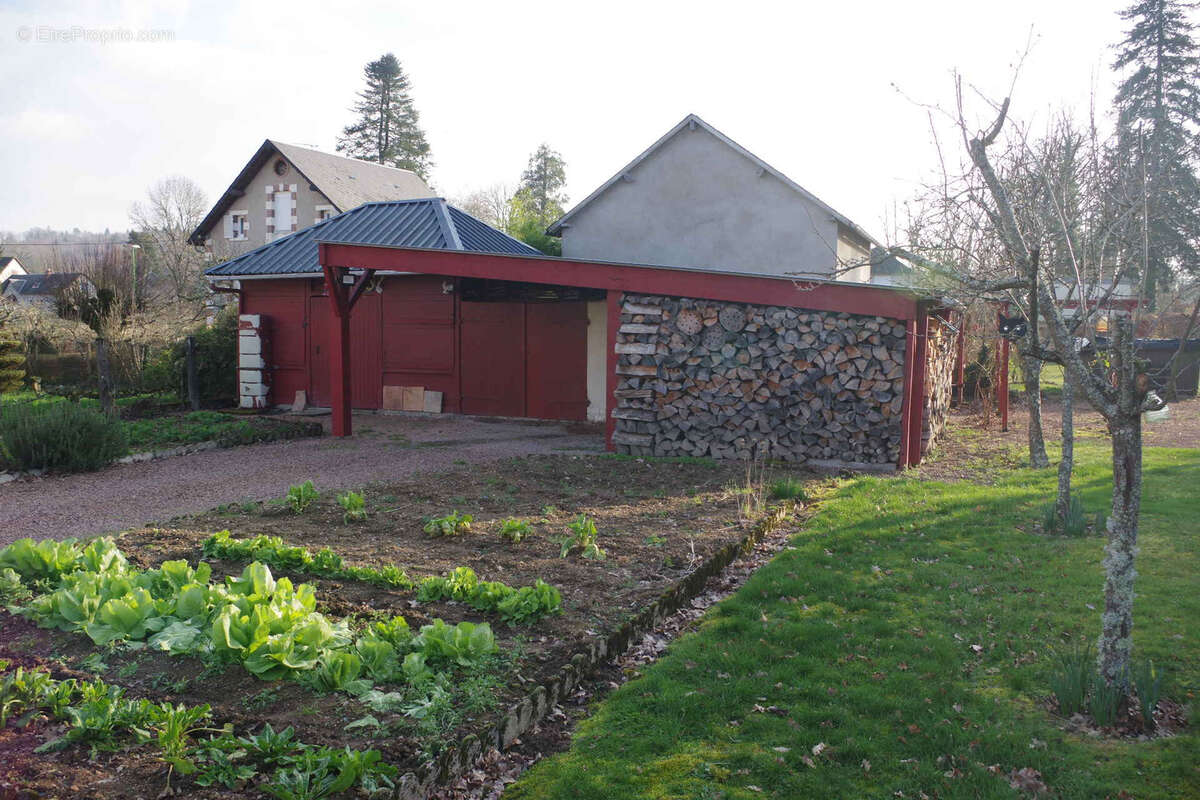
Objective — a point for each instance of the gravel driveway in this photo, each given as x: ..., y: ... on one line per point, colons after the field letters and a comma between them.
x: 384, y: 448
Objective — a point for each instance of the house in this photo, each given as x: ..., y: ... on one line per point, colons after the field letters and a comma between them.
x: 416, y: 305
x: 44, y: 289
x: 696, y: 198
x: 284, y: 188
x: 9, y: 266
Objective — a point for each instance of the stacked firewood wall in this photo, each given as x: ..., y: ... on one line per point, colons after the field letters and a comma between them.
x: 730, y: 380
x: 939, y: 381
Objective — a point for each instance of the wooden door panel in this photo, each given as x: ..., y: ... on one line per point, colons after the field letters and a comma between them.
x: 493, y: 359
x: 556, y: 361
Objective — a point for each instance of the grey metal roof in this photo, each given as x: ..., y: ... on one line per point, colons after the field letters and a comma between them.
x: 429, y: 223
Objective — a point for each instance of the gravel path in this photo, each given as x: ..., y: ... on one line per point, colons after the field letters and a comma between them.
x: 384, y: 448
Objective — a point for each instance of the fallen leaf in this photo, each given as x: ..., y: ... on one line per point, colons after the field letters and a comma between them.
x: 818, y: 748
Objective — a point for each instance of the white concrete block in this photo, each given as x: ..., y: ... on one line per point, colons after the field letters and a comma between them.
x: 249, y: 345
x: 250, y: 375
x: 251, y: 361
x: 253, y: 320
x: 253, y: 390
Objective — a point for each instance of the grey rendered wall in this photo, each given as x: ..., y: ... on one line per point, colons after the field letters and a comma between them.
x: 694, y: 202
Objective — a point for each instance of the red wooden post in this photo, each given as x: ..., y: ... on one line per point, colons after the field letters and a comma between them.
x: 610, y: 399
x: 910, y: 354
x: 960, y: 358
x: 339, y: 353
x: 1002, y: 400
x: 916, y: 417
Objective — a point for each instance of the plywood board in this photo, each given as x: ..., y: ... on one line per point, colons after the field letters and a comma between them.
x: 393, y: 398
x: 433, y: 402
x: 414, y: 398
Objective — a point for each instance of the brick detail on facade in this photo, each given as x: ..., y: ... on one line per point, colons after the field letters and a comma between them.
x: 731, y: 380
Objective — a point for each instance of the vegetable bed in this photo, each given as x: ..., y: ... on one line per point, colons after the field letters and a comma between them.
x: 397, y: 633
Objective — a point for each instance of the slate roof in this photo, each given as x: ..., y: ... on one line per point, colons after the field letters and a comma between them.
x: 346, y: 182
x: 49, y: 283
x: 428, y: 223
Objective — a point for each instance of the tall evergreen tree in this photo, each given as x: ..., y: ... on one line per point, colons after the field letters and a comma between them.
x: 1158, y: 120
x: 539, y: 200
x: 388, y: 128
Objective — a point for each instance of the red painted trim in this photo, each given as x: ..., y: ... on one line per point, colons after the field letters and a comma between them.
x: 610, y: 398
x: 910, y: 354
x: 339, y: 353
x: 917, y: 405
x: 853, y: 298
x: 1002, y: 374
x: 960, y: 360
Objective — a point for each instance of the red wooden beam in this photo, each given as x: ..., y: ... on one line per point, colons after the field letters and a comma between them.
x: 1002, y: 370
x: 960, y: 359
x: 610, y: 398
x: 906, y: 412
x: 853, y: 298
x: 916, y: 418
x: 342, y: 301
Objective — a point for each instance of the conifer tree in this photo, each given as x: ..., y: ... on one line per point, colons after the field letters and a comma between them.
x: 1158, y: 122
x: 12, y: 360
x: 387, y: 129
x: 539, y: 200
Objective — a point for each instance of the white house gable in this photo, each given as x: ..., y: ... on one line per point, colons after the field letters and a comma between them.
x: 696, y: 199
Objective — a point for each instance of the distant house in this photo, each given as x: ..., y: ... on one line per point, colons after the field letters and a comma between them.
x: 43, y: 289
x: 285, y: 188
x: 9, y: 266
x: 696, y: 198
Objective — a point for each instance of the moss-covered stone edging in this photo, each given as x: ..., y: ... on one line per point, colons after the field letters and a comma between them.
x: 457, y: 759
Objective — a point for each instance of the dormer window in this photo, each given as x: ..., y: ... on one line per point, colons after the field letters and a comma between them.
x: 324, y: 212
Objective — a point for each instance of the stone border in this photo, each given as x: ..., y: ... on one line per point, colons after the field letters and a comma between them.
x: 461, y: 757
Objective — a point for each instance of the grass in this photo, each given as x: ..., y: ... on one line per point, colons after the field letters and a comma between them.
x: 204, y: 426
x: 903, y: 645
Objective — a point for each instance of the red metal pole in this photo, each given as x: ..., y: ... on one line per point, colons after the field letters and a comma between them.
x: 339, y: 351
x: 960, y: 358
x: 610, y: 399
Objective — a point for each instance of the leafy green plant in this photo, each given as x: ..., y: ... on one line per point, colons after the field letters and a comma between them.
x: 11, y: 588
x: 61, y: 437
x: 271, y: 550
x: 1071, y: 679
x: 514, y: 530
x: 299, y: 498
x: 450, y: 525
x: 175, y: 725
x: 354, y: 507
x: 1147, y: 684
x: 530, y: 603
x: 787, y: 489
x: 582, y: 535
x: 338, y: 672
x: 465, y: 644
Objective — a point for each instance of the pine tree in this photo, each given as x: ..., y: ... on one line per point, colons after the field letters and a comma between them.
x: 387, y: 130
x: 12, y: 360
x: 1158, y: 120
x: 542, y: 182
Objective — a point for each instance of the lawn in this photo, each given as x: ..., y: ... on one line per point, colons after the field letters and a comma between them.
x: 900, y: 648
x: 227, y: 430
x: 399, y: 633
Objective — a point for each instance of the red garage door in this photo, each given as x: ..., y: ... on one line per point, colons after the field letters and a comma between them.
x: 556, y: 360
x: 493, y: 359
x: 366, y: 352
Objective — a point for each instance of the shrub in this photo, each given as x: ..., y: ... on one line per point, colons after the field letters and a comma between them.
x: 302, y: 496
x: 354, y: 506
x: 788, y: 489
x: 514, y: 530
x: 12, y: 360
x: 63, y: 437
x: 216, y: 364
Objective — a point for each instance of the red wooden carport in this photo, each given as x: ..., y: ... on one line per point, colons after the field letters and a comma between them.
x: 349, y: 268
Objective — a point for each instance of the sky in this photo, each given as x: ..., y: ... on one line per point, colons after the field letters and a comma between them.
x: 100, y: 100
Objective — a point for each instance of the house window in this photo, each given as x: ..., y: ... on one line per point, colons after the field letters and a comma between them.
x: 237, y: 225
x: 324, y: 212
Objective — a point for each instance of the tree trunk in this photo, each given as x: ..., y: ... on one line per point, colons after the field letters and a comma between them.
x: 1031, y: 371
x: 1066, y: 464
x: 104, y: 374
x: 1116, y: 634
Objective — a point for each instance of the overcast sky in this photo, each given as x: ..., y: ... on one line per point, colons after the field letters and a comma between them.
x: 811, y: 87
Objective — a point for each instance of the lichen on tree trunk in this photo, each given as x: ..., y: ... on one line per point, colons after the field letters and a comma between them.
x: 1066, y: 464
x: 1116, y: 633
x: 1031, y: 371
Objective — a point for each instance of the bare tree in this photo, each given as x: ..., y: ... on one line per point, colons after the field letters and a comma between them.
x: 492, y: 204
x: 174, y: 206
